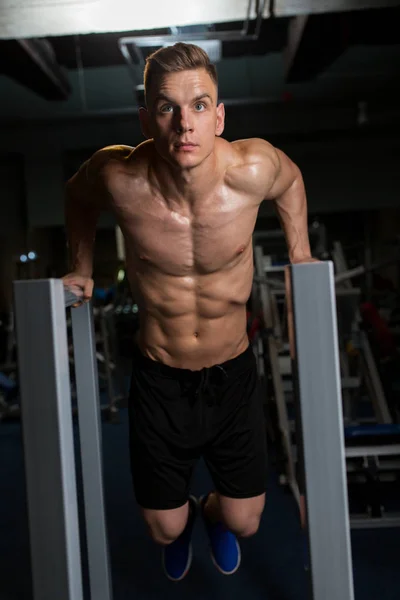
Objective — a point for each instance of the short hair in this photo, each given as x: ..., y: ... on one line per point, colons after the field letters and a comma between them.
x: 172, y: 59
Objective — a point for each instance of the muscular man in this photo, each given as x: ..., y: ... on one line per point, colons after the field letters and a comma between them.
x: 187, y: 202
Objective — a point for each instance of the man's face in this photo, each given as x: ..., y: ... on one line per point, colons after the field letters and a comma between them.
x: 183, y: 117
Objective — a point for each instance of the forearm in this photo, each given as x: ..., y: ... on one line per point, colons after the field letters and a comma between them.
x: 81, y: 221
x: 291, y: 207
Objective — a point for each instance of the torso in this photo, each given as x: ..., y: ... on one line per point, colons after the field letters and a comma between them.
x: 190, y: 266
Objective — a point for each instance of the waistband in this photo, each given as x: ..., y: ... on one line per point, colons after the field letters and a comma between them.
x: 239, y: 363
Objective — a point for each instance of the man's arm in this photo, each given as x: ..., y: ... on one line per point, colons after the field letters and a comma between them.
x: 85, y: 198
x: 283, y: 184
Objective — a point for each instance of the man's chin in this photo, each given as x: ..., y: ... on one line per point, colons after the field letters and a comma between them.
x: 183, y: 161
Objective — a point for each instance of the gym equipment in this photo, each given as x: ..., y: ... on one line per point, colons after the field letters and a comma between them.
x: 372, y: 446
x: 315, y: 355
x: 373, y: 455
x: 272, y: 338
x: 49, y: 450
x: 48, y: 441
x: 109, y: 373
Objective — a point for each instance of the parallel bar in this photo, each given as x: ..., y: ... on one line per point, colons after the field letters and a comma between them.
x: 316, y: 356
x: 48, y: 439
x: 90, y: 440
x: 70, y: 298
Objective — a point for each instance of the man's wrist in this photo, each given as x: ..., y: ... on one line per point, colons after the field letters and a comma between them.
x: 296, y: 260
x: 82, y: 271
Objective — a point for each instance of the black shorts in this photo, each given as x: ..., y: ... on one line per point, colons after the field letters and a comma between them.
x: 177, y: 416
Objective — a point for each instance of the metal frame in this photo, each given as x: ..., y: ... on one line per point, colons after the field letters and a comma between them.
x: 278, y: 383
x: 370, y: 372
x: 315, y: 353
x: 49, y: 444
x: 87, y: 388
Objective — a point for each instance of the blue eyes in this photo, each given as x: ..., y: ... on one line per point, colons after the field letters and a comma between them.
x: 168, y: 108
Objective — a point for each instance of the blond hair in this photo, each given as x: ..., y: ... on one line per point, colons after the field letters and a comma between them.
x: 172, y: 59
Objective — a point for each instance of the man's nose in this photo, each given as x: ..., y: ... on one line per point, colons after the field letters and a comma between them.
x: 183, y: 121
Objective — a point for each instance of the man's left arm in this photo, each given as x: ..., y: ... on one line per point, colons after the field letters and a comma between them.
x: 287, y: 191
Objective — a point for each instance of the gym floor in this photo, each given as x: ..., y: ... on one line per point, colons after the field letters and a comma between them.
x: 272, y: 565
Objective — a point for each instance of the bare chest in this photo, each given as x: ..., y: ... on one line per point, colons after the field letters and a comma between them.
x: 183, y: 241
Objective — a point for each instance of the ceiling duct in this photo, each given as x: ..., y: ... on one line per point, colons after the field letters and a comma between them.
x: 135, y: 48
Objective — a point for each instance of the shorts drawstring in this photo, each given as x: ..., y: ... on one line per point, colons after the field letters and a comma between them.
x: 205, y: 385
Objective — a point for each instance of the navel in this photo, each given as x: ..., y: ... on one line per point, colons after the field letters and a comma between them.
x: 196, y: 334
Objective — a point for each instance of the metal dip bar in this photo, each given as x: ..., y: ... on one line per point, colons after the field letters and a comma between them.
x: 49, y: 444
x: 314, y: 349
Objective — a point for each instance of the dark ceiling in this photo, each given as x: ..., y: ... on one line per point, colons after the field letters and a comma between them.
x: 367, y: 27
x: 39, y: 64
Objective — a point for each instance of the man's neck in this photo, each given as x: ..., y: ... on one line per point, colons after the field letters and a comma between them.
x: 187, y: 185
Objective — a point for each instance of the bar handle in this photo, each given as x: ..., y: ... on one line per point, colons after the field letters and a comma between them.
x: 70, y: 298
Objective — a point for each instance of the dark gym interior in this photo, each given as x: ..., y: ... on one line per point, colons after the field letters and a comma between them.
x: 319, y: 80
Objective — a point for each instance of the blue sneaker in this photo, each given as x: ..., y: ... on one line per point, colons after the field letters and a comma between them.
x: 225, y: 549
x: 177, y: 557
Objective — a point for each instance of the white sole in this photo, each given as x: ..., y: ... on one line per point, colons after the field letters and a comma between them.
x: 227, y: 572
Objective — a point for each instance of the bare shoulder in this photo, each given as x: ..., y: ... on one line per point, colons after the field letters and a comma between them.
x: 91, y: 172
x: 106, y: 158
x: 255, y: 164
x: 256, y: 150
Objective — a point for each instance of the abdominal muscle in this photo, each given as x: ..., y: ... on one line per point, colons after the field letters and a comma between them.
x: 192, y: 322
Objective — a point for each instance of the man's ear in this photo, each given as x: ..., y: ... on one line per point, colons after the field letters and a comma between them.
x: 220, y: 125
x: 145, y: 122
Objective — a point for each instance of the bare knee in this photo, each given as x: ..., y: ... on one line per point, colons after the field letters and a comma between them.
x: 245, y: 529
x: 242, y: 516
x: 165, y: 526
x: 242, y: 526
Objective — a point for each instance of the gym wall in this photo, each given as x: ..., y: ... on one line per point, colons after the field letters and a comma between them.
x: 12, y: 221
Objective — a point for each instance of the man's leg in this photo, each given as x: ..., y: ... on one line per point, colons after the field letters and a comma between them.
x: 237, y: 460
x: 162, y: 460
x: 165, y: 526
x: 172, y: 529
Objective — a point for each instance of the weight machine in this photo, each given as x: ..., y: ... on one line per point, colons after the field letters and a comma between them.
x: 372, y: 448
x: 372, y: 441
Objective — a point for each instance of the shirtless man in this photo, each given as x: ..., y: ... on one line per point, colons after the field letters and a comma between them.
x: 187, y: 202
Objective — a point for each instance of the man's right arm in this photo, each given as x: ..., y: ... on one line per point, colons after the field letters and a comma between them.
x: 86, y: 197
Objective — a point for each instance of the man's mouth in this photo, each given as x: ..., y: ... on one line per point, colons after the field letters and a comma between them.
x: 185, y: 147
